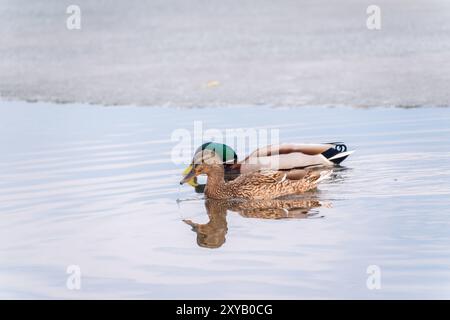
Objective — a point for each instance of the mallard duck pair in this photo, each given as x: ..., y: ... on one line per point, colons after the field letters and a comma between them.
x: 267, y: 173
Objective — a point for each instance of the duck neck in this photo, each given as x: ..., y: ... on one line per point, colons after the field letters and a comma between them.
x: 215, y: 182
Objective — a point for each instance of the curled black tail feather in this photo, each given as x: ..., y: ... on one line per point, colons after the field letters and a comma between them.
x: 338, y: 147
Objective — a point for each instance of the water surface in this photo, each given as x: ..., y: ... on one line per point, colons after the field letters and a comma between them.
x: 95, y: 187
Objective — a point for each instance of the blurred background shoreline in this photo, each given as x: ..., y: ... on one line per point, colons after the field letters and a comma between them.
x: 216, y: 53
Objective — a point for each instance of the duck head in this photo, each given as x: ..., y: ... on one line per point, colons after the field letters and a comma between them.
x: 203, y: 168
x: 209, y: 153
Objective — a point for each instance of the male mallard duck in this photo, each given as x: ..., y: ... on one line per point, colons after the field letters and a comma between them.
x: 254, y: 185
x: 288, y: 158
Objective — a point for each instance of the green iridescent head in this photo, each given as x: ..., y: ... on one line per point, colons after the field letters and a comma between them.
x: 211, y: 153
x: 216, y: 152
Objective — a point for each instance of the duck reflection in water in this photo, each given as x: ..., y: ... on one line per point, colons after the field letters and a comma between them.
x: 213, y: 233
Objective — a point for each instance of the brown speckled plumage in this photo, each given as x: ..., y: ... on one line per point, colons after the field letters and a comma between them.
x: 255, y: 185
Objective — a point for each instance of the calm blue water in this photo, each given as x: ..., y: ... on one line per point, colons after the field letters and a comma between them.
x: 96, y: 187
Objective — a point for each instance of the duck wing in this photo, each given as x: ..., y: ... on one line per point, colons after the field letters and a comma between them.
x: 270, y: 176
x: 292, y: 156
x: 279, y: 149
x: 264, y: 176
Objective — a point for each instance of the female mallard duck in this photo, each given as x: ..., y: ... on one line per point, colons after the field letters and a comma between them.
x: 255, y: 185
x: 291, y: 159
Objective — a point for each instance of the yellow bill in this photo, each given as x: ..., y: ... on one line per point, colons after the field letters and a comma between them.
x: 193, y: 181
